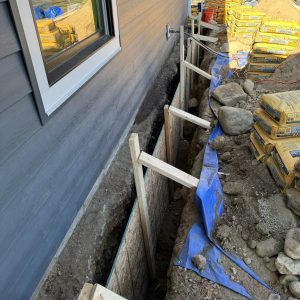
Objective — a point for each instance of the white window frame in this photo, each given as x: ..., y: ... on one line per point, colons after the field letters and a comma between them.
x: 54, y: 96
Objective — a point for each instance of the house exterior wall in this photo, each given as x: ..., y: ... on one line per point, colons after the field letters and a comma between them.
x: 47, y: 171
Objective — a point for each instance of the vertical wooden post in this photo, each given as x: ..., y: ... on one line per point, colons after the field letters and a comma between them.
x: 182, y: 77
x: 193, y: 54
x: 182, y: 69
x: 170, y: 158
x: 199, y: 30
x: 142, y: 200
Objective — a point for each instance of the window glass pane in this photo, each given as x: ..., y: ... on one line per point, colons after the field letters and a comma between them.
x: 61, y: 24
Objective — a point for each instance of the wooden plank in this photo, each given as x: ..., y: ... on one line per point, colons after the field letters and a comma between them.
x: 189, y: 117
x: 99, y: 292
x: 123, y: 272
x: 113, y: 283
x: 168, y: 134
x: 168, y: 170
x: 197, y: 70
x: 182, y: 69
x: 209, y: 26
x: 85, y: 292
x: 205, y: 38
x: 142, y: 200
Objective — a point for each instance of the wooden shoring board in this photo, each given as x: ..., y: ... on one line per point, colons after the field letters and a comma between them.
x: 97, y: 292
x: 130, y: 275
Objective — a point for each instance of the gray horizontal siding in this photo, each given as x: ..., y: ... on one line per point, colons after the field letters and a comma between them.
x: 8, y: 37
x: 47, y: 171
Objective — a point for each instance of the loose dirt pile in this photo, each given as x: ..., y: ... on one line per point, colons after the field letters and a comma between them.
x: 286, y: 76
x: 281, y: 9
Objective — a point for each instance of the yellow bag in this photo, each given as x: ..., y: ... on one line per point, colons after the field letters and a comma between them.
x: 266, y: 143
x: 297, y: 181
x: 245, y: 29
x: 273, y: 129
x: 283, y: 108
x: 285, y: 154
x: 283, y: 27
x: 261, y: 67
x: 272, y: 49
x: 258, y: 75
x: 247, y: 23
x: 275, y: 38
x: 249, y: 14
x: 283, y: 182
x: 243, y: 35
x: 256, y: 150
x: 267, y: 58
x: 45, y: 25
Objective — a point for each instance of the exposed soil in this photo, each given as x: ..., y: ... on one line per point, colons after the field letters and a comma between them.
x: 279, y: 9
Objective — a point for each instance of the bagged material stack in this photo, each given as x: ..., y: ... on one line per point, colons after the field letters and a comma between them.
x: 276, y: 136
x: 244, y: 22
x: 273, y: 43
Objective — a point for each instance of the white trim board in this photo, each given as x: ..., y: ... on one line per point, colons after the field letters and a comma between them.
x: 55, y: 95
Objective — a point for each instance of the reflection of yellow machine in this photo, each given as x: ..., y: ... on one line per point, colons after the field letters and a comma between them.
x: 55, y: 37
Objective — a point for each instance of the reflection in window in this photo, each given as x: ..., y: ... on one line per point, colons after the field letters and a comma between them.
x: 63, y: 23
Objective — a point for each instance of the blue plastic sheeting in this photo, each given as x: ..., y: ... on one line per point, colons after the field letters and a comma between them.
x: 209, y: 202
x: 197, y: 242
x: 53, y: 11
x: 38, y: 13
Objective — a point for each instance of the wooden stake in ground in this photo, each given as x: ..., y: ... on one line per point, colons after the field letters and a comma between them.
x: 135, y: 152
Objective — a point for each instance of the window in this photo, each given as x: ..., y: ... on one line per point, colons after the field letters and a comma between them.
x: 65, y: 43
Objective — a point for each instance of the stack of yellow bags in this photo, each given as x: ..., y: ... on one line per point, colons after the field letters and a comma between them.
x: 273, y: 43
x: 229, y: 6
x: 244, y: 22
x: 276, y: 136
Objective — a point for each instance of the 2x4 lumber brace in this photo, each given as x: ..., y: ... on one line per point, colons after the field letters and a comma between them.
x: 208, y: 25
x: 135, y: 152
x: 205, y: 38
x: 189, y: 117
x: 97, y: 292
x: 167, y: 170
x: 197, y: 70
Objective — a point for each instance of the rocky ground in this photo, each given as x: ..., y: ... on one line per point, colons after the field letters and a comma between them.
x: 256, y: 224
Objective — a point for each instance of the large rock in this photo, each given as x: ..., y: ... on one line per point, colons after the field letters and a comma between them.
x: 287, y: 265
x: 233, y: 187
x: 294, y: 288
x: 217, y: 143
x: 199, y: 261
x: 235, y: 121
x: 293, y: 202
x: 229, y: 94
x: 274, y: 297
x: 248, y: 86
x: 292, y: 243
x: 269, y: 247
x: 287, y: 279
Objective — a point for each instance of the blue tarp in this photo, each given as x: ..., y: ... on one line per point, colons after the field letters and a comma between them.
x: 52, y: 12
x: 38, y: 13
x: 209, y: 202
